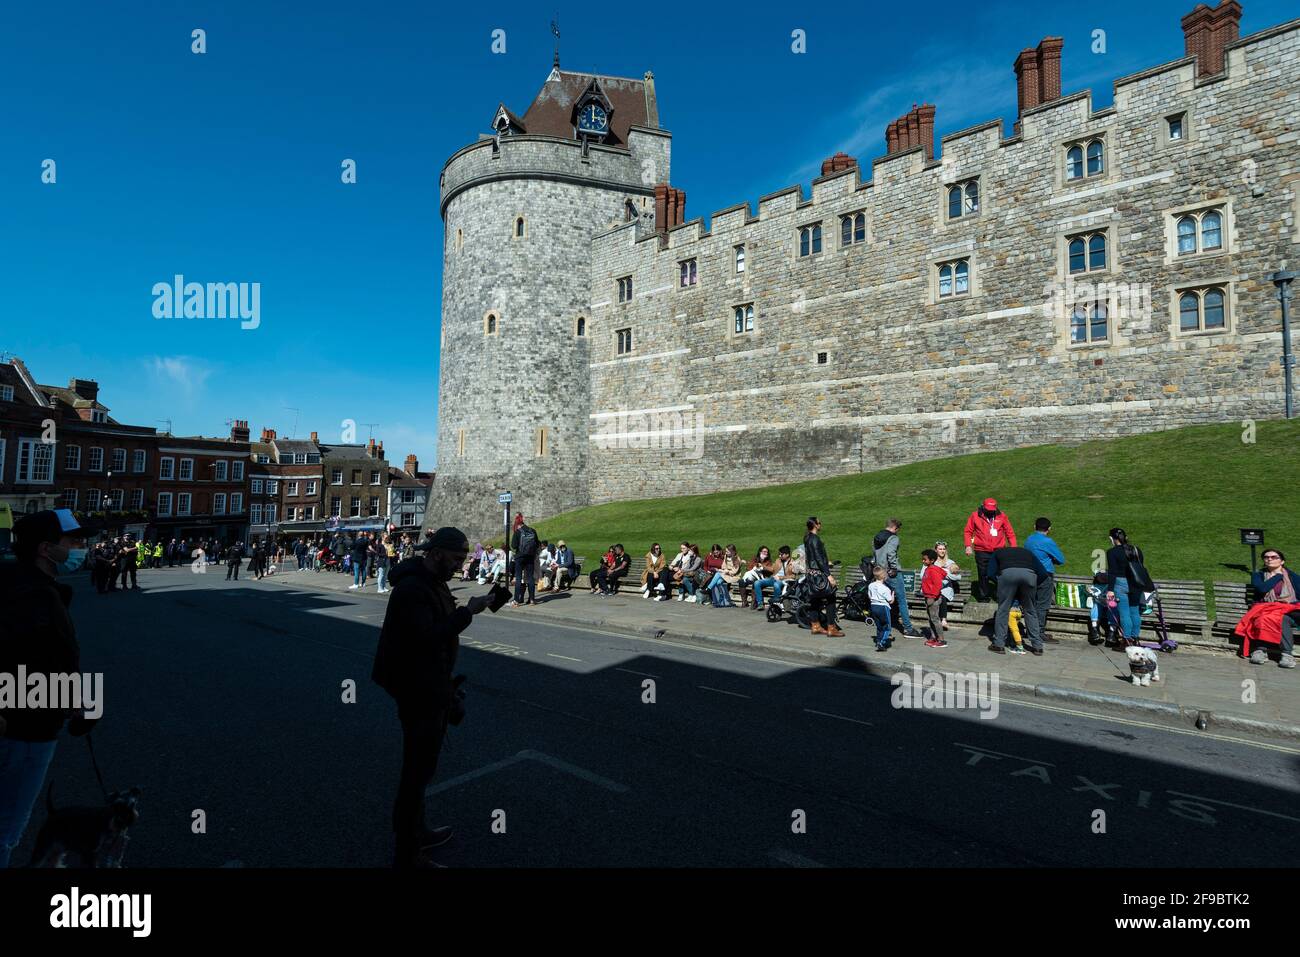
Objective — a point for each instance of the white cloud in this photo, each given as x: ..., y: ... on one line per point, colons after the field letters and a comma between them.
x: 184, y: 376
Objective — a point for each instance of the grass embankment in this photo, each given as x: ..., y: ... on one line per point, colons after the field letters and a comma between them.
x: 1182, y: 495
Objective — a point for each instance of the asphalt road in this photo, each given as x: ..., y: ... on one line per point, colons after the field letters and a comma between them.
x: 227, y: 698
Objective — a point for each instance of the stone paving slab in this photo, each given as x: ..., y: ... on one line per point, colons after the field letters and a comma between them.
x: 1231, y: 693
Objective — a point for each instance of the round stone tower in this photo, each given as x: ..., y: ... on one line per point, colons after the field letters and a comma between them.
x: 519, y: 210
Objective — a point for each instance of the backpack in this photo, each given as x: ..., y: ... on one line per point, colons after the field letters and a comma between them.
x: 527, y: 541
x: 857, y: 602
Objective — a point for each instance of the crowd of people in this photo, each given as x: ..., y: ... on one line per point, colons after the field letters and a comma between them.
x: 1020, y: 577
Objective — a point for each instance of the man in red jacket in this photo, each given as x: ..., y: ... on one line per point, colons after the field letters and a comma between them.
x: 987, y: 530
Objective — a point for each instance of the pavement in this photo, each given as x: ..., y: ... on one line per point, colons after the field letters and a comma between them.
x: 245, y: 712
x: 1197, y: 688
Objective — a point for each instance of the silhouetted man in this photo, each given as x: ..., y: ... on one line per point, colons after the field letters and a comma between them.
x: 413, y: 663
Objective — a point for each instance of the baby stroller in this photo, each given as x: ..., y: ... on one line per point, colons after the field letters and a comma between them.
x: 795, y: 602
x: 326, y: 561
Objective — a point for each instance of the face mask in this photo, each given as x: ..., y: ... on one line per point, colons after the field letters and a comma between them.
x: 75, y: 558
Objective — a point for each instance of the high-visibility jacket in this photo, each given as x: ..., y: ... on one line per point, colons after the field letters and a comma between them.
x: 141, y: 553
x: 157, y: 550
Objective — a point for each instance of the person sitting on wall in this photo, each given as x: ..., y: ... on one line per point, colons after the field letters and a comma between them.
x: 565, y: 568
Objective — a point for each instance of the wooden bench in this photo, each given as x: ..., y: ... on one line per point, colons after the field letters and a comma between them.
x: 1231, y: 599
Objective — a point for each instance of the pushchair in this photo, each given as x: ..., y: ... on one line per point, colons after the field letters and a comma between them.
x: 794, y: 601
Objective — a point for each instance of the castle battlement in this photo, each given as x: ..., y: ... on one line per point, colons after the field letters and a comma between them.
x: 1139, y: 98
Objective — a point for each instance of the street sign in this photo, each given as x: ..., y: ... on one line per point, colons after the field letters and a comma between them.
x: 504, y: 498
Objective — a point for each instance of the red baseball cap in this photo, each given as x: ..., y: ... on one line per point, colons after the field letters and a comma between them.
x: 990, y: 503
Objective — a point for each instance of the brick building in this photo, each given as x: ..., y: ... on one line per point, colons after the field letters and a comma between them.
x: 287, y: 485
x: 201, y: 486
x: 59, y: 448
x: 1097, y: 272
x: 356, y: 485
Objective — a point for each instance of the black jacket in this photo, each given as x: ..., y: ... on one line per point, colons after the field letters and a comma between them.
x: 514, y: 543
x: 419, y: 641
x: 1259, y: 584
x: 36, y: 631
x: 814, y: 554
x: 1009, y: 557
x: 1118, y: 566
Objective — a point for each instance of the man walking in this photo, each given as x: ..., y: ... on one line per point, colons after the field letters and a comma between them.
x: 414, y: 661
x: 885, y: 555
x: 987, y: 530
x: 1016, y: 572
x: 1049, y: 556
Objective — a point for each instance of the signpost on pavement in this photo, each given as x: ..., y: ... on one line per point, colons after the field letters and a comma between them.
x: 504, y: 500
x: 1253, y: 537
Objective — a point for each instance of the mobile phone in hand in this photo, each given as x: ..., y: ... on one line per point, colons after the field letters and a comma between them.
x: 497, y: 597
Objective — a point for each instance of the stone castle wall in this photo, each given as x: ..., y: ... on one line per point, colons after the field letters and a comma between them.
x: 696, y: 408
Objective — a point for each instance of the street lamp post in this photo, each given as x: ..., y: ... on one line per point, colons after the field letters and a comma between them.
x: 1283, y: 282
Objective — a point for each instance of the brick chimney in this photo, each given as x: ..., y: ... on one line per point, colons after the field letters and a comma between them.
x: 1206, y: 31
x: 670, y: 207
x: 914, y: 129
x: 412, y: 465
x: 85, y: 388
x: 379, y: 450
x: 838, y: 162
x: 1038, y: 75
x: 370, y: 448
x: 268, y: 435
x: 315, y: 439
x: 239, y: 430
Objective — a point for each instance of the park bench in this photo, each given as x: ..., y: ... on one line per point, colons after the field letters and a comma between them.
x: 1183, y: 603
x: 1231, y: 599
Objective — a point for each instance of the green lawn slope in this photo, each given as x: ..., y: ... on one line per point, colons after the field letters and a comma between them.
x: 1182, y: 495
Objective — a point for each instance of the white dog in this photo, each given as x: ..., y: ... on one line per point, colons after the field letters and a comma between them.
x: 1144, y: 664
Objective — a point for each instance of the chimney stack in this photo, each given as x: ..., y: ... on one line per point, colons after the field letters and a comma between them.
x: 915, y: 128
x: 315, y: 438
x: 412, y: 465
x: 838, y: 162
x: 670, y: 207
x: 268, y: 435
x: 1206, y: 31
x: 85, y: 388
x: 1038, y: 75
x: 379, y: 450
x: 239, y: 430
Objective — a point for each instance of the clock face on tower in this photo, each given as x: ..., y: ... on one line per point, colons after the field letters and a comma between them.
x: 592, y: 119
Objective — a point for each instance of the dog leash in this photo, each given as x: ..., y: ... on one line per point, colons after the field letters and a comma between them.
x: 95, y: 764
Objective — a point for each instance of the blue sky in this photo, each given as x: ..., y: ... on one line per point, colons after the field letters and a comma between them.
x: 225, y: 167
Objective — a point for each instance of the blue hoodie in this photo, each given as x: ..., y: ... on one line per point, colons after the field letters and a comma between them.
x: 1045, y: 551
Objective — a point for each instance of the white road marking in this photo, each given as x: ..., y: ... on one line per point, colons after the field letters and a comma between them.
x: 794, y: 860
x: 589, y: 776
x: 564, y: 657
x: 643, y: 674
x: 720, y: 691
x: 1239, y: 807
x: 827, y: 714
x: 1003, y: 754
